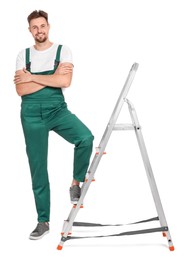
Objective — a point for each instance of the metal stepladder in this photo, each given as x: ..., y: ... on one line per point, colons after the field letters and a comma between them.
x: 111, y: 126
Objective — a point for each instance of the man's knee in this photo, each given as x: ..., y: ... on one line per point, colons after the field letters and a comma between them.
x: 86, y: 140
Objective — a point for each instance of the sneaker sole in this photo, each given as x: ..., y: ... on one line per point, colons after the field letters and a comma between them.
x: 36, y: 238
x: 74, y: 201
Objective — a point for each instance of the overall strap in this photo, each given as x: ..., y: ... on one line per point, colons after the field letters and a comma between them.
x: 57, y: 59
x: 56, y: 62
x: 28, y: 63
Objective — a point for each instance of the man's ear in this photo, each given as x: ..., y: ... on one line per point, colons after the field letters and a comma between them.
x: 29, y: 29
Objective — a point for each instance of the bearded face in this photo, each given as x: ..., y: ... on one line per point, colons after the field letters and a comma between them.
x: 39, y: 29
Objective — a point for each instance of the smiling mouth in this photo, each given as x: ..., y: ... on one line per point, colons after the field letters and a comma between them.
x: 40, y: 34
x: 40, y: 37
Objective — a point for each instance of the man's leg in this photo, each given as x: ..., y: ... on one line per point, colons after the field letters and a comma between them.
x: 75, y: 132
x: 36, y: 138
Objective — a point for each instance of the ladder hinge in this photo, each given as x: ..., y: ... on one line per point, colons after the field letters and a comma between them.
x: 137, y: 127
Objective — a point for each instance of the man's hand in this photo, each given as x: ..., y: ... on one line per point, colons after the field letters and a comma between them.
x: 22, y: 77
x: 24, y: 83
x: 64, y: 68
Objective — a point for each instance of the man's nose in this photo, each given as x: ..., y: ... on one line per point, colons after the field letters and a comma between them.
x: 39, y: 30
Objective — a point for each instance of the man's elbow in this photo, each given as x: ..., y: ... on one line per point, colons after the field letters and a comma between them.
x: 20, y: 94
x: 19, y: 91
x: 66, y: 83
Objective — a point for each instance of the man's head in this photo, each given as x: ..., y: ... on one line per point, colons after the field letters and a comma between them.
x: 36, y: 14
x: 38, y: 25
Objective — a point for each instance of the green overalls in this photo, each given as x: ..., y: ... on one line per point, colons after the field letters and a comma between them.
x: 41, y: 112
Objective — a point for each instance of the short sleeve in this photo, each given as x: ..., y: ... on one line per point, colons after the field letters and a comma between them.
x: 66, y: 55
x: 20, y: 60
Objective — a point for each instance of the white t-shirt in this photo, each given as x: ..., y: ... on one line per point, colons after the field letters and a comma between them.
x: 43, y: 60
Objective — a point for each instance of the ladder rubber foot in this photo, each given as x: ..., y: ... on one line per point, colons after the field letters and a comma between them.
x: 172, y: 248
x: 59, y: 247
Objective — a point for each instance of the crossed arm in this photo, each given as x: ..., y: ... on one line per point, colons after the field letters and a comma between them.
x: 27, y: 83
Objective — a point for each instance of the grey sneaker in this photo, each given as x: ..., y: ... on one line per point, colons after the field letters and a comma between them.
x: 75, y: 192
x: 41, y: 230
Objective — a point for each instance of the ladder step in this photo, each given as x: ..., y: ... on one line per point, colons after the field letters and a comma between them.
x: 123, y: 127
x: 98, y: 153
x: 87, y: 180
x: 75, y: 205
x: 98, y: 150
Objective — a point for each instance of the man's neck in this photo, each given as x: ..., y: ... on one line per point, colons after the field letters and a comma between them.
x: 41, y: 46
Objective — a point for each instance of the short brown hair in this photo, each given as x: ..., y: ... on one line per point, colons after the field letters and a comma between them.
x: 36, y: 14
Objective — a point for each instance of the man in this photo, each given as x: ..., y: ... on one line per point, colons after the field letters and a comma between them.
x: 42, y: 72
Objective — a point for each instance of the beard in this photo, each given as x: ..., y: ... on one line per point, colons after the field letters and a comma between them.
x: 41, y: 38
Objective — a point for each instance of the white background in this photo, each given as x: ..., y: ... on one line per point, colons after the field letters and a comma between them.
x: 106, y: 38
